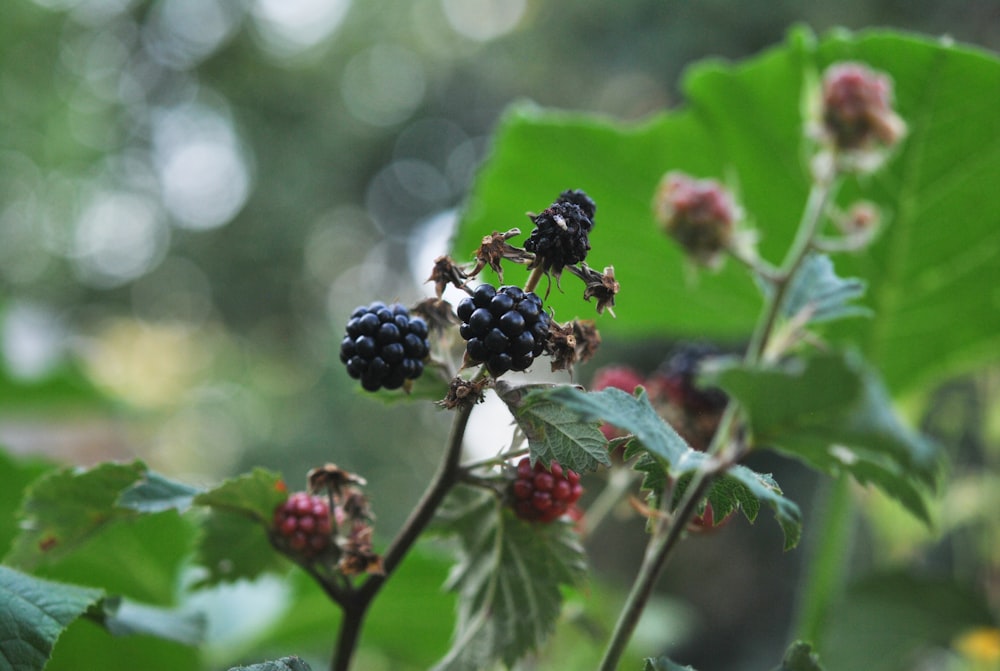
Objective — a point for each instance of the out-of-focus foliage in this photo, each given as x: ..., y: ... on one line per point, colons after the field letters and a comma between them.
x: 195, y: 193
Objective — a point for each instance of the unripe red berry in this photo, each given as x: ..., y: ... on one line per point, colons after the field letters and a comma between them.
x: 857, y: 107
x: 541, y: 494
x: 302, y: 524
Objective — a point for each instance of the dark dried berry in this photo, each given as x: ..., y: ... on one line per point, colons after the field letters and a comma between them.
x: 384, y: 346
x: 302, y: 524
x: 561, y: 234
x: 504, y: 328
x: 540, y: 494
x: 676, y: 380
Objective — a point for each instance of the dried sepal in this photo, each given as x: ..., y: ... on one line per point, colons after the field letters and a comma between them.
x: 495, y: 248
x: 438, y: 314
x: 446, y: 272
x: 602, y: 286
x: 571, y: 343
x: 332, y: 479
x: 462, y: 392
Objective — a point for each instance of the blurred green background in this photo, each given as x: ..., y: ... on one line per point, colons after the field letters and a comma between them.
x: 194, y: 194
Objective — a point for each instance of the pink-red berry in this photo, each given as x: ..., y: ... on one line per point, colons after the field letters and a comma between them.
x: 541, y: 494
x: 303, y: 524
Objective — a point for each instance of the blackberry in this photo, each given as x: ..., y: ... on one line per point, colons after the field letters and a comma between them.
x: 504, y: 328
x: 542, y: 494
x: 384, y: 346
x: 676, y: 379
x: 560, y: 237
x: 302, y: 525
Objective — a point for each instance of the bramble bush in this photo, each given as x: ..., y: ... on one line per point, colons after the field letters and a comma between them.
x: 830, y: 205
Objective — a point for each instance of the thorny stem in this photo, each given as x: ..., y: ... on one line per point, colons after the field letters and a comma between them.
x: 664, y: 539
x: 356, y: 604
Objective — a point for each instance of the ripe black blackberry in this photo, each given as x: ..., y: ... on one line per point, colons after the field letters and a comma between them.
x: 302, y: 525
x: 676, y: 379
x: 541, y: 494
x: 384, y: 346
x: 560, y: 237
x: 504, y: 328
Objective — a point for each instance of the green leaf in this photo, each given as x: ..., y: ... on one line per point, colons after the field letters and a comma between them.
x: 33, y: 614
x: 64, y: 508
x: 799, y: 657
x: 832, y: 412
x: 254, y: 495
x: 16, y: 474
x: 508, y: 579
x: 670, y: 458
x: 234, y: 542
x: 124, y: 617
x: 234, y: 547
x: 664, y: 664
x: 554, y: 433
x: 924, y: 278
x: 283, y: 664
x: 631, y: 413
x: 86, y: 644
x: 155, y: 493
x: 817, y: 291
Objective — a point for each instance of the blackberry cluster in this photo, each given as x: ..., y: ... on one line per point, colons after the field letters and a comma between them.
x: 384, y: 346
x: 302, y: 524
x: 544, y: 494
x: 560, y: 237
x: 504, y: 328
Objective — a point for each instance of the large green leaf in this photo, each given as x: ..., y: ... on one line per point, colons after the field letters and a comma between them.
x: 16, y: 474
x: 33, y: 614
x: 832, y: 412
x: 63, y: 509
x: 508, y: 579
x: 928, y: 273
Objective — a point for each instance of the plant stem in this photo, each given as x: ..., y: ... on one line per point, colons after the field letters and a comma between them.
x: 661, y: 546
x: 809, y: 225
x: 356, y: 605
x: 536, y: 274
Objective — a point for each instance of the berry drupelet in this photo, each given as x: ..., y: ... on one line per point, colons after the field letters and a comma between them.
x: 561, y: 234
x: 504, y: 328
x: 541, y: 494
x: 302, y: 524
x: 384, y: 346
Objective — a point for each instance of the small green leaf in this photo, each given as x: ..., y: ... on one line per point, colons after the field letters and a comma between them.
x: 508, y: 579
x: 254, y: 495
x: 33, y: 613
x: 670, y: 459
x: 234, y: 546
x: 664, y: 664
x: 555, y: 433
x: 818, y: 291
x: 630, y: 413
x: 799, y: 657
x: 154, y: 493
x: 15, y: 474
x: 283, y: 664
x: 64, y: 508
x: 124, y: 617
x: 832, y: 412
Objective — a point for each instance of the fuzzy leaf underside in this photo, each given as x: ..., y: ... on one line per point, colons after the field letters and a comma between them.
x: 833, y: 413
x: 667, y: 457
x: 817, y: 291
x: 664, y: 664
x: 33, y: 614
x: 508, y: 579
x: 553, y: 433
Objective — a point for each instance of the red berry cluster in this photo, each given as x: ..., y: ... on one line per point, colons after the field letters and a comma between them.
x: 302, y: 523
x: 544, y: 494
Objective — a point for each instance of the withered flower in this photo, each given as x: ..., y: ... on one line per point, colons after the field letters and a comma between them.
x: 495, y: 249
